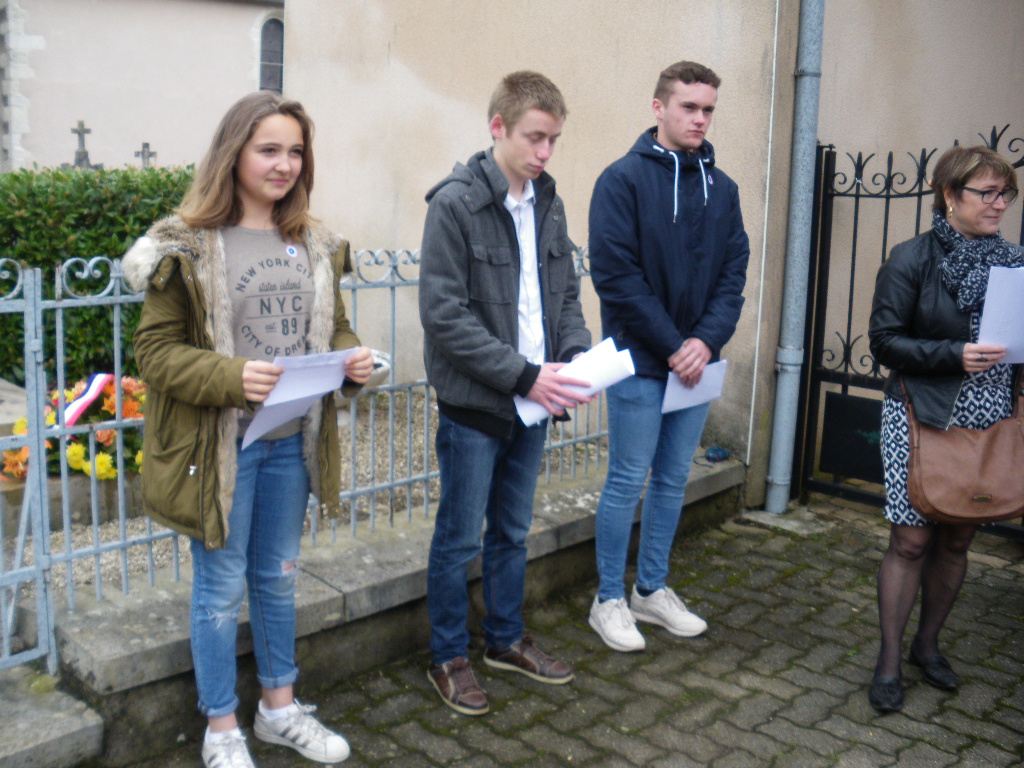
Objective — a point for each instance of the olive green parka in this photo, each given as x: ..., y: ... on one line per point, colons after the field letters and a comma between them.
x: 184, y: 348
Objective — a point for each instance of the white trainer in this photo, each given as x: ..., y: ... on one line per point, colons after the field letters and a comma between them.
x: 230, y: 752
x: 616, y: 626
x: 665, y: 609
x: 303, y: 733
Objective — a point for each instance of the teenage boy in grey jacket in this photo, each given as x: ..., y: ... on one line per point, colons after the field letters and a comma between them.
x: 499, y: 303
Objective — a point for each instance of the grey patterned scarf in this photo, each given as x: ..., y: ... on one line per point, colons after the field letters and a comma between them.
x: 965, y: 268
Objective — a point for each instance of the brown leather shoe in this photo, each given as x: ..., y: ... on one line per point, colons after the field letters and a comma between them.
x: 527, y: 659
x: 455, y: 682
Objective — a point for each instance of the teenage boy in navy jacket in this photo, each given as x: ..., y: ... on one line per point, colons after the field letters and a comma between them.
x: 668, y: 257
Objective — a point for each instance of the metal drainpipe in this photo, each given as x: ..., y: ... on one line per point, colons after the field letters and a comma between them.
x: 790, y: 354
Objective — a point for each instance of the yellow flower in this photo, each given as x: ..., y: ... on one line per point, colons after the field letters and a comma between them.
x: 20, y: 426
x: 51, y: 416
x: 104, y: 467
x: 76, y: 457
x: 138, y: 460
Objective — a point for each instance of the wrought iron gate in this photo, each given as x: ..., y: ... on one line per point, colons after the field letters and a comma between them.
x: 861, y: 211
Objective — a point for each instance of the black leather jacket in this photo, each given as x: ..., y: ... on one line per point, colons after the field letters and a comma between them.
x: 917, y: 330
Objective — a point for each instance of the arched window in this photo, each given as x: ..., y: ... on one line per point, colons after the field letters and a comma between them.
x: 272, y: 55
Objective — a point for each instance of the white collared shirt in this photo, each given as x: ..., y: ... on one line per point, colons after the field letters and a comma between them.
x: 531, y: 313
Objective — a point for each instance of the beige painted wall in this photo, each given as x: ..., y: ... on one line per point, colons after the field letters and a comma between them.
x: 917, y: 74
x: 914, y: 73
x: 161, y: 71
x: 399, y: 92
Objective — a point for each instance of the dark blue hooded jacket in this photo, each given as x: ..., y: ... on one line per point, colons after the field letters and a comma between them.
x: 668, y: 253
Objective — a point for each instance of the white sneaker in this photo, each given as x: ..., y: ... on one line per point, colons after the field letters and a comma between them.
x: 303, y: 733
x: 229, y: 753
x: 616, y: 626
x: 667, y: 610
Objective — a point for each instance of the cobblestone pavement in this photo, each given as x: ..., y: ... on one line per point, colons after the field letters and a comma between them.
x: 778, y: 680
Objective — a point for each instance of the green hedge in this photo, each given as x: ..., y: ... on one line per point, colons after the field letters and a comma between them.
x: 48, y: 216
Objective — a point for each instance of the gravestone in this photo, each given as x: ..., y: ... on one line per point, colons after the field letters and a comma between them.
x: 82, y: 154
x: 145, y: 154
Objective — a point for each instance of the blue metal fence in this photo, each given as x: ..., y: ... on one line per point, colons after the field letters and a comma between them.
x: 61, y: 536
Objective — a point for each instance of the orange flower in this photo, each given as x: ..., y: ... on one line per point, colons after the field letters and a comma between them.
x: 108, y: 403
x: 106, y: 436
x: 109, y: 388
x: 132, y: 387
x: 130, y: 409
x: 15, y: 461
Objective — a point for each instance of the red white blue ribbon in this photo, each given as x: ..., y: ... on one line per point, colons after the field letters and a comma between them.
x: 73, y: 411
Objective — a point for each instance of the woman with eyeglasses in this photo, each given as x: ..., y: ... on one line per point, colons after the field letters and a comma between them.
x: 924, y: 328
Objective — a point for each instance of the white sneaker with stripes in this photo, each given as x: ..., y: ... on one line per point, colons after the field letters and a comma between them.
x: 229, y: 752
x: 303, y: 733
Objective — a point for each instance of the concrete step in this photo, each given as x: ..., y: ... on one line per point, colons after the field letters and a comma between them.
x: 42, y: 727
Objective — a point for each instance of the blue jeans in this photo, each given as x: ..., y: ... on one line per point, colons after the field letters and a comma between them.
x: 482, y: 477
x: 265, y: 526
x: 642, y: 439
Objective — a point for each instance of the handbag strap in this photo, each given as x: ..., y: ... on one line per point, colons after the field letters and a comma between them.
x: 906, y: 400
x: 1018, y: 391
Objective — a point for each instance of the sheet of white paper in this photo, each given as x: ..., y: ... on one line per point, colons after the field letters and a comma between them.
x: 677, y: 395
x: 306, y: 375
x: 267, y: 419
x: 601, y: 366
x: 1002, y: 321
x: 305, y: 379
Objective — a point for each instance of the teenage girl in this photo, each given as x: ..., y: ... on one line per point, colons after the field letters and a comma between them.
x: 239, y: 276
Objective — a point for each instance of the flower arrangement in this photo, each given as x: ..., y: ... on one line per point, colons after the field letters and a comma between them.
x: 93, y: 402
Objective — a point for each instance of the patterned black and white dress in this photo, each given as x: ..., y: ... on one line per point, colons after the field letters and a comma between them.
x: 984, y: 398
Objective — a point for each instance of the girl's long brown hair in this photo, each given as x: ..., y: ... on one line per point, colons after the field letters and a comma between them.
x: 212, y: 201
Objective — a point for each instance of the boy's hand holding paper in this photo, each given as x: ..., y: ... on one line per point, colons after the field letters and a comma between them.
x: 601, y: 366
x: 678, y: 395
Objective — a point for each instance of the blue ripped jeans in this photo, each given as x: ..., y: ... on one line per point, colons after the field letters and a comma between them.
x: 261, y: 552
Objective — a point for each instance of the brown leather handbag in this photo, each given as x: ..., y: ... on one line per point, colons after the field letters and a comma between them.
x: 960, y: 475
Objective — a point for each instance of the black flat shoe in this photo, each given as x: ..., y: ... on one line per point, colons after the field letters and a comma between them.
x: 937, y: 671
x: 886, y: 693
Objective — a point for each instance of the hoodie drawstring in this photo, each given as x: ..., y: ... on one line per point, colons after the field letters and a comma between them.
x: 675, y: 184
x: 703, y: 177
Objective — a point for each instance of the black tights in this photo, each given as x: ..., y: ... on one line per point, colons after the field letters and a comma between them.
x: 932, y: 559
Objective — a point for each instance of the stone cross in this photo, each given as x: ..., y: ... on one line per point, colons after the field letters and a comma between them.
x: 82, y: 154
x: 145, y: 154
x: 81, y: 130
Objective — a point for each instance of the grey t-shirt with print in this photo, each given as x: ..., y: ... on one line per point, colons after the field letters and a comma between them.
x: 271, y: 289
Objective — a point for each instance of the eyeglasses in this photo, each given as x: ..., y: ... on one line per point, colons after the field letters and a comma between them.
x: 989, y: 196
